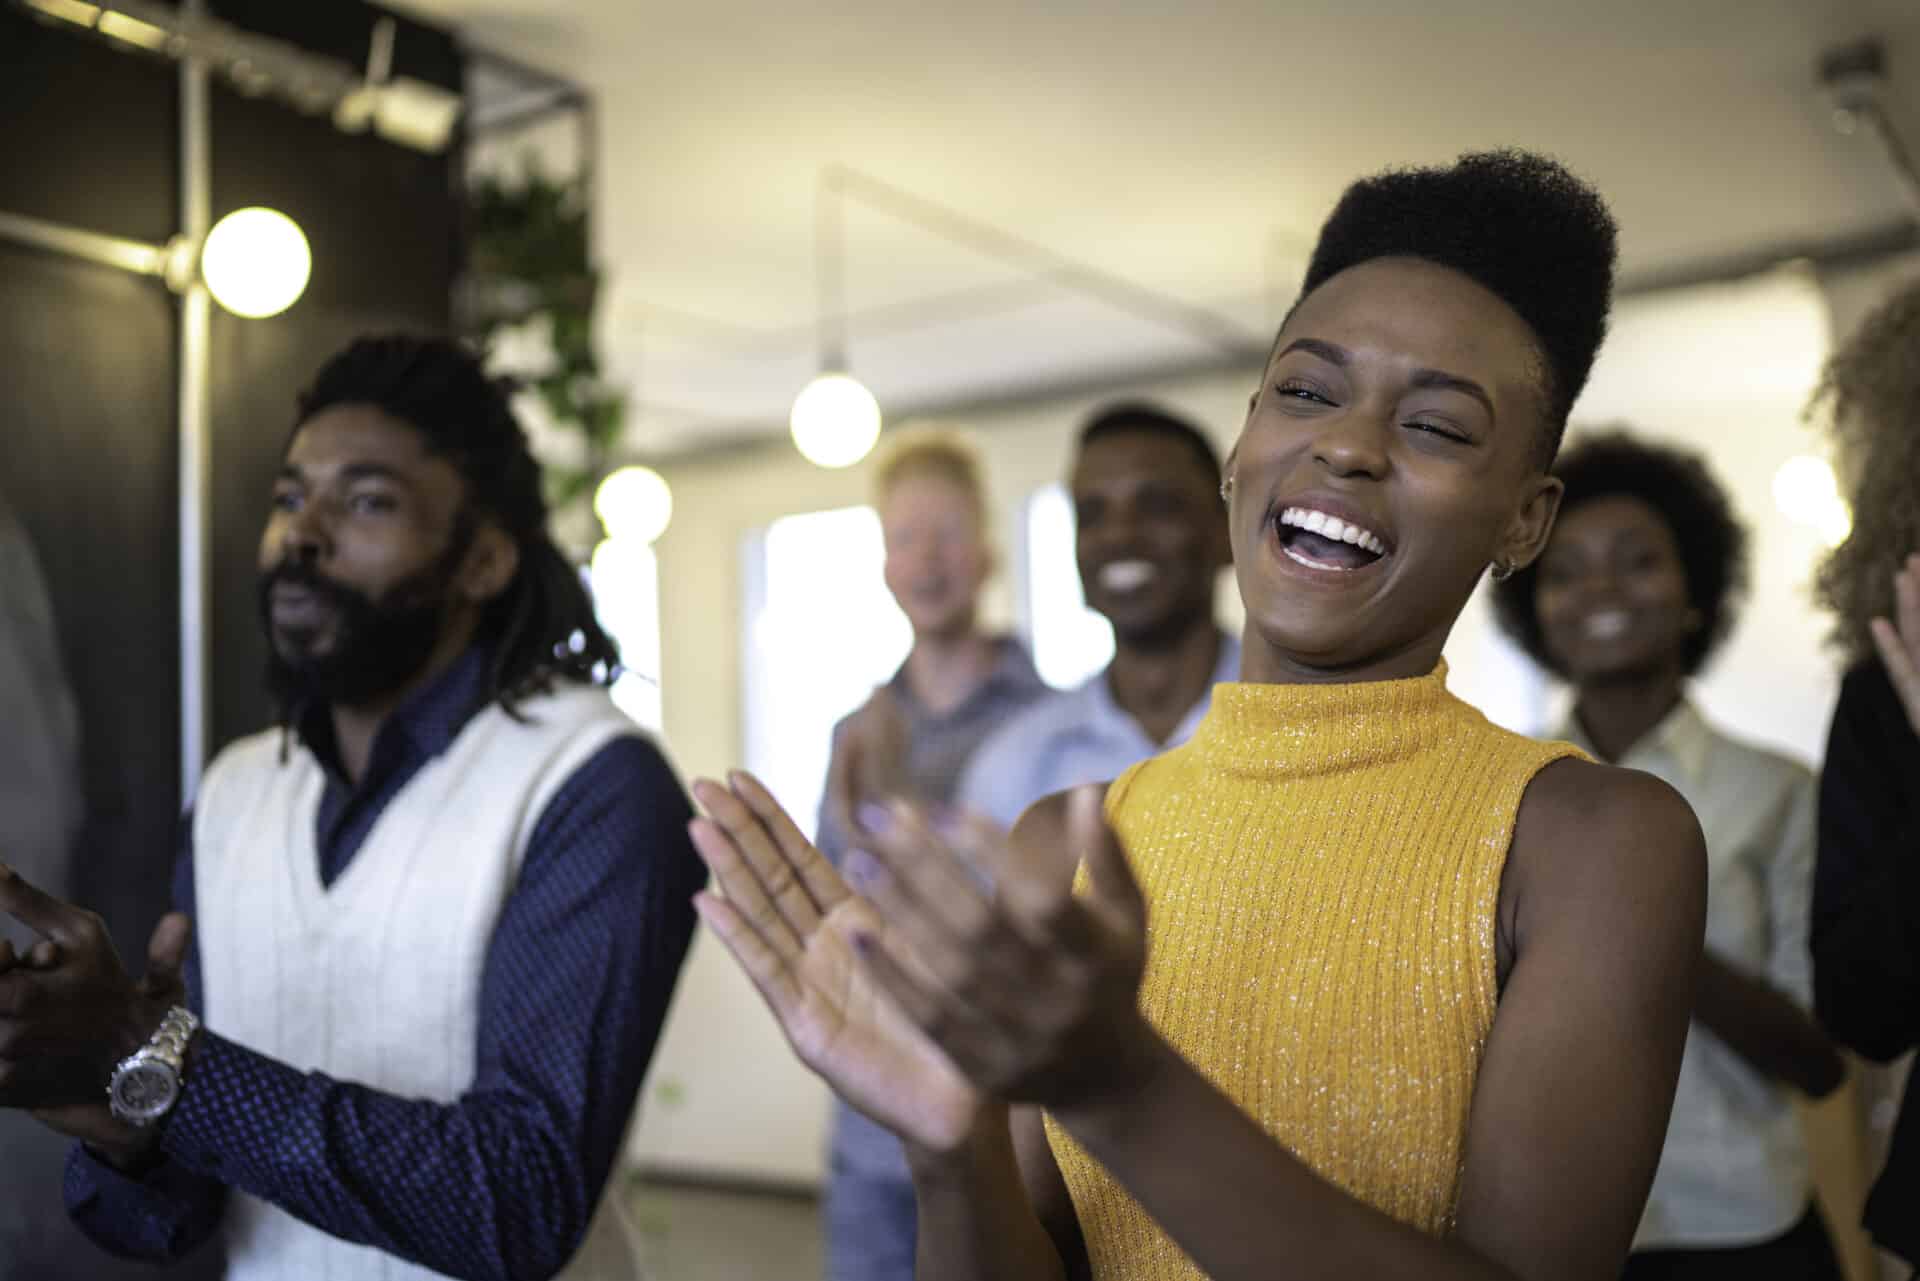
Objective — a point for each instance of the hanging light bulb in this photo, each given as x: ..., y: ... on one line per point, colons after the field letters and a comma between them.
x: 634, y: 505
x: 1807, y: 493
x: 835, y: 421
x: 256, y: 262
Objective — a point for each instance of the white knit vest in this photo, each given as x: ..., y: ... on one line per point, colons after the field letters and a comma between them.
x: 376, y: 979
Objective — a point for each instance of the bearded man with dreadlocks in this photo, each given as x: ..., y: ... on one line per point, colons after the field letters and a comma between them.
x: 437, y: 913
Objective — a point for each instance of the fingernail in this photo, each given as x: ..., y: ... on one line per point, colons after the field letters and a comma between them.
x: 874, y: 818
x: 949, y: 823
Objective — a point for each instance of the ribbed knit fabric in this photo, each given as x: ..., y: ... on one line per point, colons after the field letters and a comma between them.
x: 1322, y: 867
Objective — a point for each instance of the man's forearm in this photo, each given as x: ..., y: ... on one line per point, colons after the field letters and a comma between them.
x: 976, y: 1220
x: 479, y: 1189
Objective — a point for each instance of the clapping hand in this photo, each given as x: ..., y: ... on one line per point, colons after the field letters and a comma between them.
x: 870, y: 759
x: 69, y: 1012
x: 1030, y: 989
x: 797, y: 930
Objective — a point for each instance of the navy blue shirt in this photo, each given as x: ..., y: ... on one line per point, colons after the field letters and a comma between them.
x: 503, y: 1182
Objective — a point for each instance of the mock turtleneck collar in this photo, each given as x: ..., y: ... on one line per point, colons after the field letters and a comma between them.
x: 1282, y: 731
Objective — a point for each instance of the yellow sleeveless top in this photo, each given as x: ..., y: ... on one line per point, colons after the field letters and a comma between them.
x: 1322, y: 868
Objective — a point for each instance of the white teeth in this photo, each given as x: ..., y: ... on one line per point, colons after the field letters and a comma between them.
x: 1607, y: 625
x: 1315, y: 522
x: 1126, y: 575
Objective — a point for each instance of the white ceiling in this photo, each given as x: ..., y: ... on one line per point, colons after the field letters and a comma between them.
x: 1190, y: 149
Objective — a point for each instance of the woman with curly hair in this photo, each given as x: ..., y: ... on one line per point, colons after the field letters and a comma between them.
x: 1866, y: 901
x: 1638, y: 585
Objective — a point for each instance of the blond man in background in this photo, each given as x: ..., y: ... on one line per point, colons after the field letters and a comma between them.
x: 958, y: 683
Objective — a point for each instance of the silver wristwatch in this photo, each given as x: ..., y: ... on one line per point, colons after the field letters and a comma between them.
x: 146, y: 1085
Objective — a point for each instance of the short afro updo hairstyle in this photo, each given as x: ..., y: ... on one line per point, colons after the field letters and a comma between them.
x: 1676, y: 484
x: 1520, y: 225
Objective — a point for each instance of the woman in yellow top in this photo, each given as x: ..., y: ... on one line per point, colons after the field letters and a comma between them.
x: 1376, y: 989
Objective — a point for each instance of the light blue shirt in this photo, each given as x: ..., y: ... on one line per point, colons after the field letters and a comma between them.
x: 1734, y: 1170
x: 1079, y: 736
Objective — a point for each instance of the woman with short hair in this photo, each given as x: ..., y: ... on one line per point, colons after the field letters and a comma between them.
x: 1376, y: 989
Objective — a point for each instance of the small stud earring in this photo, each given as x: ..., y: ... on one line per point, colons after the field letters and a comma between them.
x: 1502, y: 571
x: 1226, y: 488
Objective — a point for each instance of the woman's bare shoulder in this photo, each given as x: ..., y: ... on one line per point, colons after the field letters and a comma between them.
x: 1587, y: 831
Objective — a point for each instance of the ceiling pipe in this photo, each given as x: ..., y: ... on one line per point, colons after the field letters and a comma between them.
x: 1854, y: 77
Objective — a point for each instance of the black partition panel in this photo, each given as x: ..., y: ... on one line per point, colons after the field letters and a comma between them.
x: 86, y: 397
x: 87, y: 364
x: 90, y: 132
x: 381, y: 221
x: 87, y: 391
x: 89, y: 440
x: 87, y: 384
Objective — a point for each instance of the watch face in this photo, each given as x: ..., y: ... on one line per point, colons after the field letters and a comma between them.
x: 143, y: 1092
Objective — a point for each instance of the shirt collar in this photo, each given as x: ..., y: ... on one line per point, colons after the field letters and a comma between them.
x: 1012, y: 670
x: 1682, y: 735
x: 1103, y: 711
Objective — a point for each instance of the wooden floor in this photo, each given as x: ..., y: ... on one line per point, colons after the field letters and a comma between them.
x: 707, y: 1234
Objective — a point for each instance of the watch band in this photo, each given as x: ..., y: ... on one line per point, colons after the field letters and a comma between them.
x: 169, y: 1044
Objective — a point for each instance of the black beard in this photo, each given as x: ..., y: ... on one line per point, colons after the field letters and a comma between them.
x: 379, y: 645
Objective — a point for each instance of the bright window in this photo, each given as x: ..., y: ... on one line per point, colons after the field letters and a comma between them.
x: 822, y: 632
x: 1070, y: 641
x: 625, y: 582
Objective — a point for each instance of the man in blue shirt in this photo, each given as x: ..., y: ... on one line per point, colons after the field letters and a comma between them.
x: 1150, y: 540
x: 438, y: 913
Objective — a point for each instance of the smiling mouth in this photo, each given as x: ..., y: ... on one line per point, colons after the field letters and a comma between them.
x: 1123, y: 576
x: 1320, y: 541
x: 1610, y: 624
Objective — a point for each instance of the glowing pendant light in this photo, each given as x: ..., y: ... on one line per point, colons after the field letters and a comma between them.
x: 835, y: 421
x: 634, y: 505
x: 256, y: 262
